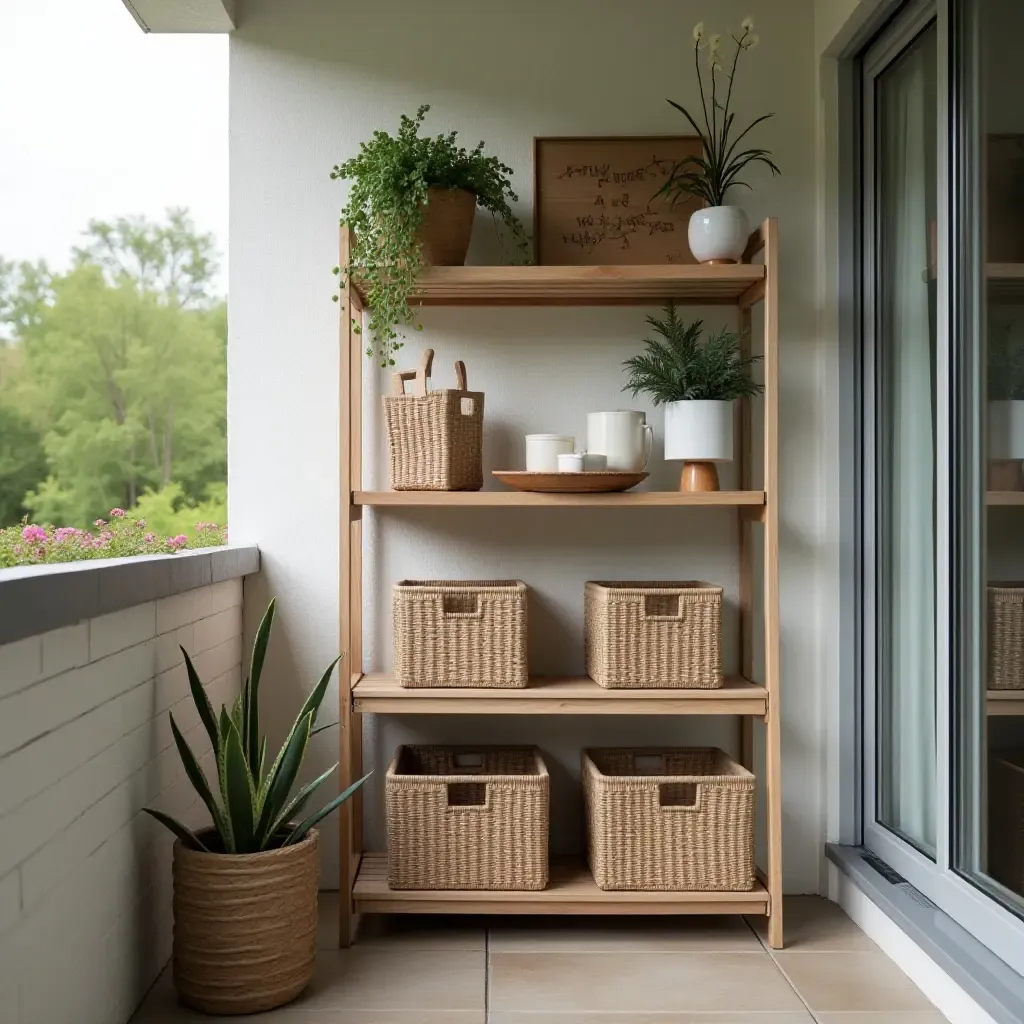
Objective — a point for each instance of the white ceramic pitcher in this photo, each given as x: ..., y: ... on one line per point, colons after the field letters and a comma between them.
x: 623, y: 436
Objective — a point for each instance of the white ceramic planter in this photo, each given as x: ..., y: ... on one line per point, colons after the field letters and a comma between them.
x: 718, y: 234
x: 1006, y: 430
x: 699, y: 431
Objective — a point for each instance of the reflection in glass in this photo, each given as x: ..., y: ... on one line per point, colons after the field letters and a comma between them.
x: 906, y: 159
x: 990, y: 719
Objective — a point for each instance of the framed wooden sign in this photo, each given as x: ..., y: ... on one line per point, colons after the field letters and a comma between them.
x: 594, y: 200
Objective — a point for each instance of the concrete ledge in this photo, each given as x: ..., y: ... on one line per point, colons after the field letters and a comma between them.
x: 37, y: 598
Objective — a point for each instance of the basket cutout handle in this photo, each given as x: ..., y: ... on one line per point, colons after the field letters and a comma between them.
x: 679, y: 796
x: 467, y: 794
x: 664, y: 607
x: 462, y: 606
x: 419, y: 375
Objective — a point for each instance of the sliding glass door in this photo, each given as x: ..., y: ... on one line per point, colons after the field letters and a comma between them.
x: 940, y: 444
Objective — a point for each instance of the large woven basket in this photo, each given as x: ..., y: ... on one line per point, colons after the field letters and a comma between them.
x: 653, y: 634
x: 1006, y: 637
x: 669, y: 819
x: 467, y: 818
x: 460, y: 633
x: 436, y: 440
x: 1006, y: 819
x: 244, y: 926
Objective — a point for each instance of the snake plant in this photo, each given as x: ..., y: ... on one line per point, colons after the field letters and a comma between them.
x: 254, y: 812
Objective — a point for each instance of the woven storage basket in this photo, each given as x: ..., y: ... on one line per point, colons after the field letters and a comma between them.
x: 460, y: 633
x: 244, y: 926
x: 436, y: 440
x: 653, y: 634
x: 467, y: 818
x: 1006, y: 819
x: 669, y: 819
x: 1006, y: 637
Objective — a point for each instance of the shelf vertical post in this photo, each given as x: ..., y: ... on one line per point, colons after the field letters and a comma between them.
x: 772, y: 664
x: 350, y: 589
x: 744, y: 476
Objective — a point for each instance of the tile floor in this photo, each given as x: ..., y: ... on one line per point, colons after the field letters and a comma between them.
x: 594, y: 971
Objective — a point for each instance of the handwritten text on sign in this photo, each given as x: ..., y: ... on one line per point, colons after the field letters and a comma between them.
x: 596, y: 201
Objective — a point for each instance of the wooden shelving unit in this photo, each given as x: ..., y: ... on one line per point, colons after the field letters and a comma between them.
x: 571, y: 890
x: 1005, y: 498
x: 529, y: 499
x: 363, y: 875
x: 1008, y: 703
x: 379, y: 694
x: 1005, y: 281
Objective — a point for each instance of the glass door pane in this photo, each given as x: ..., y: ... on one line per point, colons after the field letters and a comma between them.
x: 990, y: 707
x: 904, y: 360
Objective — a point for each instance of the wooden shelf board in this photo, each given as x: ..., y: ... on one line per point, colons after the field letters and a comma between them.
x: 1005, y: 703
x: 1005, y: 497
x: 526, y: 499
x: 571, y: 890
x: 1005, y: 281
x: 583, y: 286
x: 379, y: 693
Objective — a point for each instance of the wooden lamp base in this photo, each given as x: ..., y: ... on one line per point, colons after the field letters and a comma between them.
x: 699, y: 476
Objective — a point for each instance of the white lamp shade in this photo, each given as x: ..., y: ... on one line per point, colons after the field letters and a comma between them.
x: 699, y: 431
x: 1006, y: 430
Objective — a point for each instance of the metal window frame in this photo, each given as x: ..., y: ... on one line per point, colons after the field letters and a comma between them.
x: 964, y: 899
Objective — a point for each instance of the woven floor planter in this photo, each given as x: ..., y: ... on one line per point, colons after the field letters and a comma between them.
x: 451, y: 633
x: 653, y: 634
x: 467, y: 818
x: 678, y: 819
x: 1006, y: 637
x: 244, y: 926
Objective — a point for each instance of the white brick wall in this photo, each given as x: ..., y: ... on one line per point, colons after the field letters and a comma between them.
x: 85, y: 744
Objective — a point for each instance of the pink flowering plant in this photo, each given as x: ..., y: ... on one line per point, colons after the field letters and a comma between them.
x: 118, y: 537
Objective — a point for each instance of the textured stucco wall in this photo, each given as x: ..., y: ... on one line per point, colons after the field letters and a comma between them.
x: 309, y: 80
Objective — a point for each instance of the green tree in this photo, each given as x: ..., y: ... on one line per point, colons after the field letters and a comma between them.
x: 121, y: 375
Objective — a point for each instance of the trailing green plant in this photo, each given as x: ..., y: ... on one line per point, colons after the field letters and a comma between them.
x: 710, y: 175
x: 679, y: 364
x: 254, y: 811
x: 390, y: 177
x: 1006, y: 364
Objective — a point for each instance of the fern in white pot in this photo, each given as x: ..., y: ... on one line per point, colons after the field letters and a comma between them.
x: 697, y: 378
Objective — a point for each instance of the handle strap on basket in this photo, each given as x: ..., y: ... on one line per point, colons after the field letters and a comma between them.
x: 420, y: 376
x: 460, y: 375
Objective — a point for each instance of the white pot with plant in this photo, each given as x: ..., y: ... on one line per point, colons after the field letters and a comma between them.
x: 717, y: 233
x: 697, y: 378
x: 1006, y: 410
x: 412, y: 204
x: 245, y: 887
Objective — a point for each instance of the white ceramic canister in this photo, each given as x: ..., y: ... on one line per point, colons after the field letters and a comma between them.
x: 542, y: 451
x: 623, y: 437
x: 570, y: 462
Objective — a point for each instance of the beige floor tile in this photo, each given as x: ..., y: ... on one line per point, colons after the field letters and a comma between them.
x: 744, y: 1017
x: 651, y: 982
x: 850, y: 981
x: 407, y: 931
x: 161, y: 1007
x: 582, y: 935
x: 906, y: 1017
x: 376, y: 978
x: 813, y: 922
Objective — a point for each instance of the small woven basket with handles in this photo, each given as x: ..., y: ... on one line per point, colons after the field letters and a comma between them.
x: 653, y: 634
x: 436, y: 439
x: 1006, y: 637
x: 669, y: 819
x: 460, y: 633
x: 467, y: 818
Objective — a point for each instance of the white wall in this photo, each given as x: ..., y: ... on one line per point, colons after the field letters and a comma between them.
x: 85, y: 744
x: 309, y: 80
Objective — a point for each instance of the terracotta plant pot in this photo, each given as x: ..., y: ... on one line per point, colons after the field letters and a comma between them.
x: 244, y: 926
x: 447, y: 226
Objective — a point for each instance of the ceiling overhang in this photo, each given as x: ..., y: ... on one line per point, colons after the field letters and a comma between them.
x: 183, y: 15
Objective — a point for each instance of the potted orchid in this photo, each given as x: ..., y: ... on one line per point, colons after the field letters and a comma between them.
x: 718, y: 233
